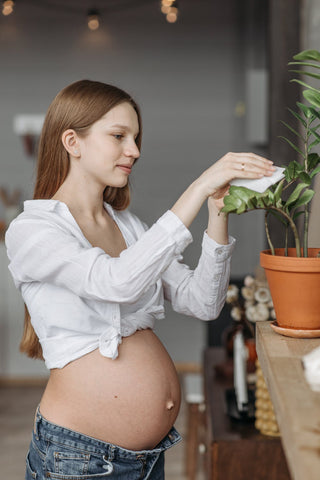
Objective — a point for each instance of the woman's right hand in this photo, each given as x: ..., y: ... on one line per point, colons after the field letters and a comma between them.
x: 214, y: 182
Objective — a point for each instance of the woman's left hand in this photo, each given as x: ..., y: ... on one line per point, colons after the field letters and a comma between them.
x: 216, y: 201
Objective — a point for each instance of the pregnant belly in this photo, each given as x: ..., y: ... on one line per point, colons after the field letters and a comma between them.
x: 132, y: 401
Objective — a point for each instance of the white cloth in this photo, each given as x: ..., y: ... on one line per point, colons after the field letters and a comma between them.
x: 259, y: 184
x: 80, y: 298
x: 311, y: 363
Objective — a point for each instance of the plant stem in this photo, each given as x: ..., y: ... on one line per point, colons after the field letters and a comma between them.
x: 290, y: 222
x: 288, y: 184
x: 268, y: 233
x: 306, y: 147
x: 293, y: 228
x: 306, y: 209
x: 286, y: 242
x: 305, y: 233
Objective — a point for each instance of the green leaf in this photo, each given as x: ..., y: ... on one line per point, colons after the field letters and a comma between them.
x: 309, y: 87
x: 305, y: 64
x: 315, y: 128
x: 227, y: 209
x: 278, y: 190
x: 241, y: 192
x: 305, y: 178
x: 260, y: 202
x: 232, y: 201
x: 292, y: 171
x: 315, y: 113
x: 315, y: 171
x: 292, y: 145
x: 313, y: 144
x: 292, y: 130
x: 295, y: 194
x: 231, y: 204
x: 298, y: 117
x: 305, y: 198
x: 313, y: 55
x: 309, y: 74
x: 313, y: 160
x: 306, y: 110
x: 248, y: 198
x: 297, y: 214
x: 241, y: 209
x: 314, y: 132
x: 312, y: 97
x: 252, y: 203
x: 270, y: 196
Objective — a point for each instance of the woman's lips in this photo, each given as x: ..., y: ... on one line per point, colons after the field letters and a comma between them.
x: 125, y: 168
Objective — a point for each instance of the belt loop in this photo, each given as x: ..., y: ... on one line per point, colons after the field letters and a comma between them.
x: 36, y: 422
x: 111, y: 453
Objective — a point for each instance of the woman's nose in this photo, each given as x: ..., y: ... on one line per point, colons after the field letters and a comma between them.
x: 132, y: 150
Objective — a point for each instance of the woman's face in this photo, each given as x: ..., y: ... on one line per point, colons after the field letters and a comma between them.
x: 109, y: 150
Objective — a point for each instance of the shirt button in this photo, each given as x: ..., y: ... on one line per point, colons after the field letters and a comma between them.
x: 219, y: 251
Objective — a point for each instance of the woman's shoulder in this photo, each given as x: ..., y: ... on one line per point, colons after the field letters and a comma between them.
x: 41, y: 217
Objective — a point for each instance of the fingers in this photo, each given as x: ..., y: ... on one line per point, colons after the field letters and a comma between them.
x: 249, y: 165
x: 216, y: 179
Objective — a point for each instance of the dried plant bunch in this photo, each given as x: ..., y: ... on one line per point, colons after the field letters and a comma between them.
x: 252, y: 302
x: 299, y: 175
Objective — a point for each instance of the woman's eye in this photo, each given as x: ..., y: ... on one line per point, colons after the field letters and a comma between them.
x: 118, y: 136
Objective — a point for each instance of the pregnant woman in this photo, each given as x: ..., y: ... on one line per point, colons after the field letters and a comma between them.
x: 94, y: 279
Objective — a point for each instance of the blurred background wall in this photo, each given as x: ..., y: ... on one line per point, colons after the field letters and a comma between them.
x: 202, y: 84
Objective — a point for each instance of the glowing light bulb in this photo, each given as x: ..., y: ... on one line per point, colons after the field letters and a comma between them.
x: 93, y: 20
x: 7, y: 7
x: 174, y: 10
x: 165, y: 9
x: 171, y: 17
x: 167, y: 3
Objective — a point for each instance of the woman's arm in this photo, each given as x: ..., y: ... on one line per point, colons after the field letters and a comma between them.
x: 201, y: 293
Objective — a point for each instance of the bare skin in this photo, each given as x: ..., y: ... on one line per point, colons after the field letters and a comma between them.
x: 134, y: 400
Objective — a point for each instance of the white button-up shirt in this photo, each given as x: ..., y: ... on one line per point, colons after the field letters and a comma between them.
x: 79, y: 298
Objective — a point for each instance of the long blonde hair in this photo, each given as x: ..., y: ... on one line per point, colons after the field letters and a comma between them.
x: 76, y: 107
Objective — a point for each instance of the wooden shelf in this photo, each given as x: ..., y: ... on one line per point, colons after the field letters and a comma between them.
x: 296, y: 406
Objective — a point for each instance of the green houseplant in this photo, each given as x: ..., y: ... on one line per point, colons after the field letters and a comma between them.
x: 288, y: 200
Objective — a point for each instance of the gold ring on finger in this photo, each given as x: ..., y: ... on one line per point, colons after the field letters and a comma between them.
x: 242, y: 166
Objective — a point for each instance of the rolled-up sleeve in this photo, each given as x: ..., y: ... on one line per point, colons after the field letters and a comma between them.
x: 201, y: 292
x: 39, y: 251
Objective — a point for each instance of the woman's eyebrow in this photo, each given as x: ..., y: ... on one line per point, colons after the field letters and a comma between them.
x: 124, y: 127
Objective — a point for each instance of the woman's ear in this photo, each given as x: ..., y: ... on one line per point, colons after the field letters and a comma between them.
x: 70, y: 142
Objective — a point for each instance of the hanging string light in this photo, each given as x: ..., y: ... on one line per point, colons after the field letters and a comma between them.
x: 170, y: 9
x: 93, y: 19
x: 7, y: 7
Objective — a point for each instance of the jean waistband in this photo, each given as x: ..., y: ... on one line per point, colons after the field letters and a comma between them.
x: 46, y: 430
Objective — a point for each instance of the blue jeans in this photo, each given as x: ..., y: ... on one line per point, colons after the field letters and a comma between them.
x: 61, y: 454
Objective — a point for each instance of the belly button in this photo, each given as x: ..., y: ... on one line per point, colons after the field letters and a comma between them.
x: 170, y: 405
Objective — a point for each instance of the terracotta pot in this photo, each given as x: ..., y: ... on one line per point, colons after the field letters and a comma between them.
x: 295, y: 287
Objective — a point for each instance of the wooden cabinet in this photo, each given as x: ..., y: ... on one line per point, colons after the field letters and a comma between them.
x: 235, y: 451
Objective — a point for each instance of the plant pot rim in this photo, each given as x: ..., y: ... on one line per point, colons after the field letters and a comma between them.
x: 292, y: 253
x: 292, y: 263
